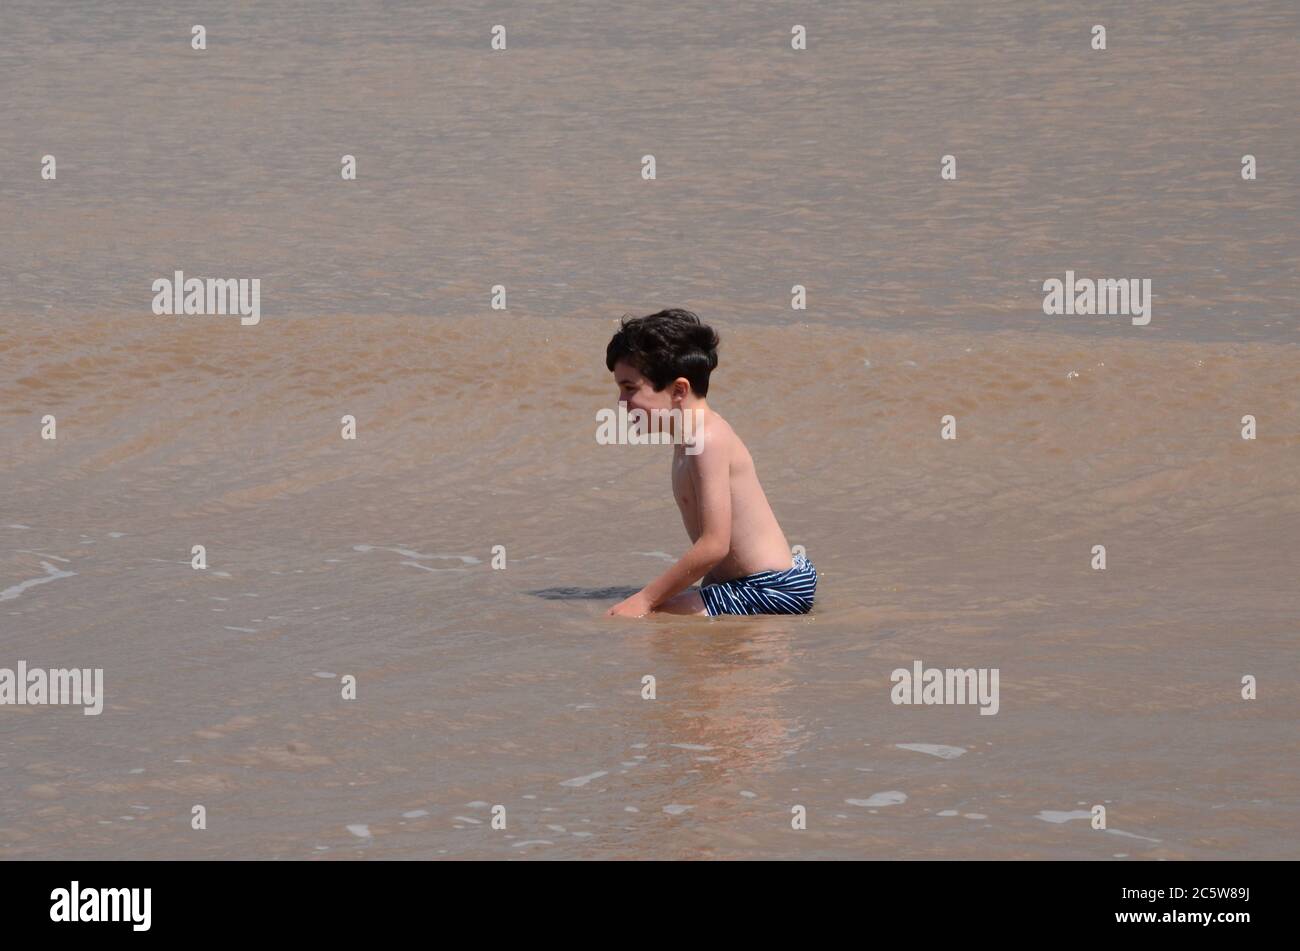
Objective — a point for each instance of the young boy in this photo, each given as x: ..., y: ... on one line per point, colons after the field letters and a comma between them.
x: 662, y: 362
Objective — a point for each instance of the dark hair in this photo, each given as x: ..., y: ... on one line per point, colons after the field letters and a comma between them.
x: 667, y: 345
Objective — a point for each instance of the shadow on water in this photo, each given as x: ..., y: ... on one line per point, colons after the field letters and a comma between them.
x: 585, y: 594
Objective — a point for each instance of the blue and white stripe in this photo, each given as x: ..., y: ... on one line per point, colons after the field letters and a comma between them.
x: 768, y: 592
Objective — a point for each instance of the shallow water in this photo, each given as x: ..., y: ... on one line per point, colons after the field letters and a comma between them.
x: 774, y: 167
x: 479, y: 687
x: 372, y: 558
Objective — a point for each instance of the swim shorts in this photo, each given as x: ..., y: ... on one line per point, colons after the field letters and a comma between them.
x: 767, y: 592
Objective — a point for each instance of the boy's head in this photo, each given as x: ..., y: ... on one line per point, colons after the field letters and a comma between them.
x: 661, y: 358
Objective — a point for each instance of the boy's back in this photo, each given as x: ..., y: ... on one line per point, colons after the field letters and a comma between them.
x: 757, y: 542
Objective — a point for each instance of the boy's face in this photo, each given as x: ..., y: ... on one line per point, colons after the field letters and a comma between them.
x: 639, y: 393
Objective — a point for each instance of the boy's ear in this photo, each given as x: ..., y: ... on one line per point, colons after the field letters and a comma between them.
x: 681, y: 388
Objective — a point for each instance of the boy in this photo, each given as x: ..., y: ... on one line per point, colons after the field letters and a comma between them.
x: 662, y: 362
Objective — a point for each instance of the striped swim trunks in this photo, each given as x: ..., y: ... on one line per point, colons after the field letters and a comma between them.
x: 767, y: 592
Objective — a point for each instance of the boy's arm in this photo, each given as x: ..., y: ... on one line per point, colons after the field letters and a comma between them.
x: 710, y: 472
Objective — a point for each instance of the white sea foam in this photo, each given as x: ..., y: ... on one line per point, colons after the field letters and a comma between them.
x: 464, y: 559
x: 934, y: 749
x: 416, y: 564
x: 1132, y: 835
x: 890, y: 797
x: 583, y: 780
x: 1051, y: 815
x: 51, y: 574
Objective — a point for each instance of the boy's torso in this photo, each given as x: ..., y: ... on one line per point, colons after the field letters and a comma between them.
x: 757, y: 542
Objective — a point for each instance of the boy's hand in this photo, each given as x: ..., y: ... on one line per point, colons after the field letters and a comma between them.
x: 636, y: 606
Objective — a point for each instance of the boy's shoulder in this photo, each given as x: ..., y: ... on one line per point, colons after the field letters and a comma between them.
x: 713, y: 436
x: 713, y: 419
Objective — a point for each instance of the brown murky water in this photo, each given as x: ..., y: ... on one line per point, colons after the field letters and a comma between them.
x: 371, y: 558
